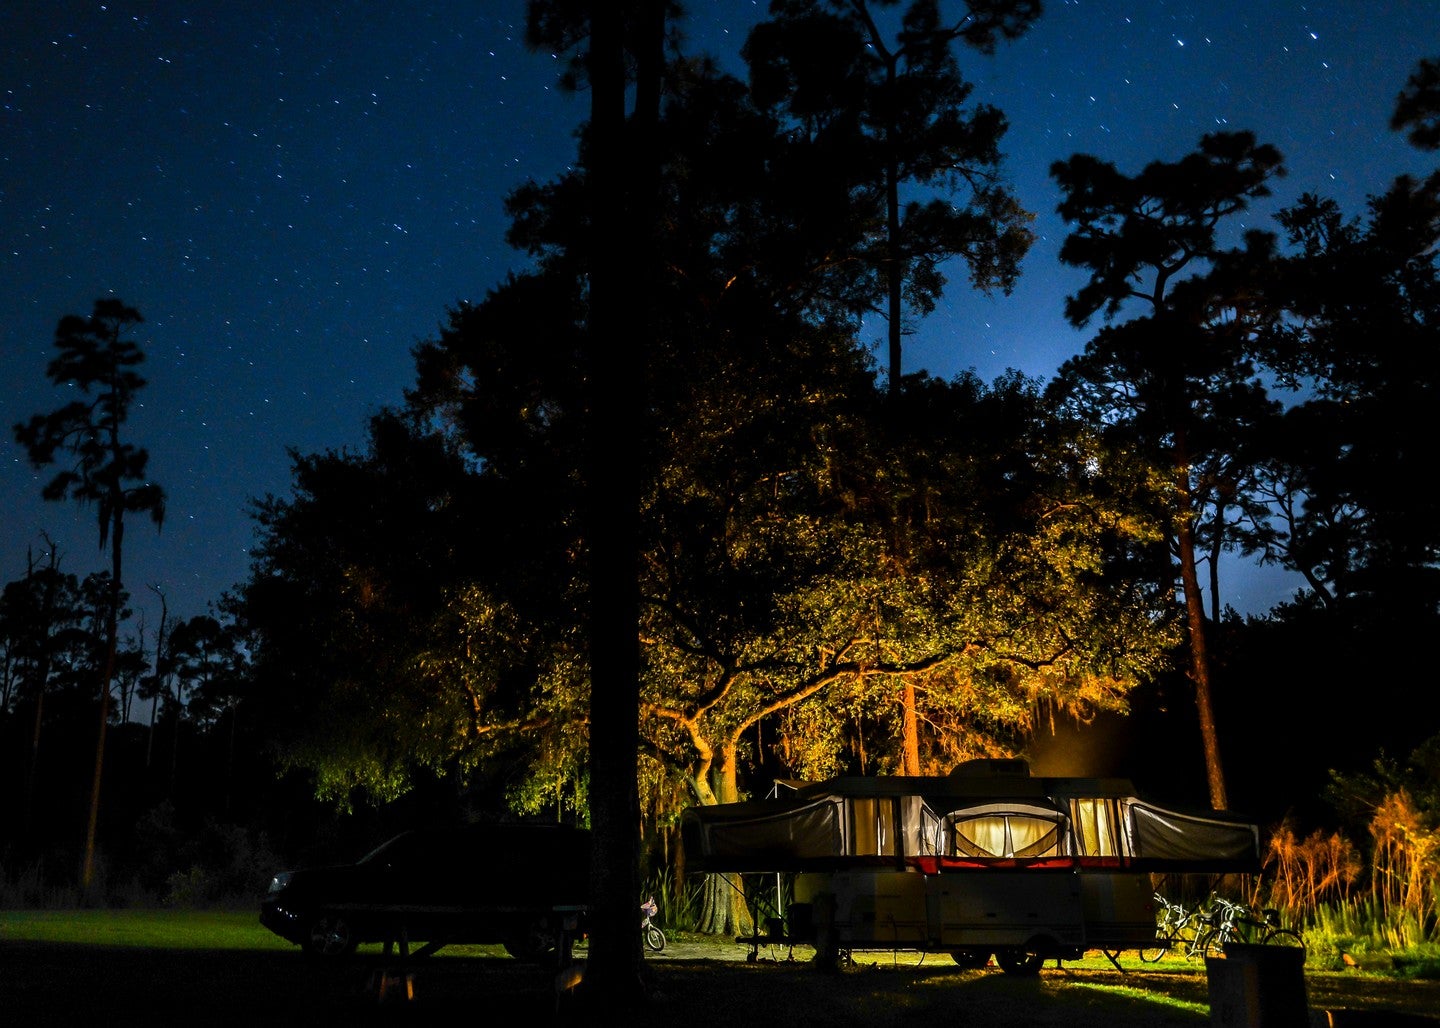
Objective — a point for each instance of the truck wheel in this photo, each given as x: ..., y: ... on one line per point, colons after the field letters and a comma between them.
x: 330, y: 936
x: 532, y: 942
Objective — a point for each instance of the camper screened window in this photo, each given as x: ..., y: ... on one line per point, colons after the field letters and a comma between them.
x: 931, y: 837
x: 872, y: 827
x: 1005, y: 835
x: 1097, y: 827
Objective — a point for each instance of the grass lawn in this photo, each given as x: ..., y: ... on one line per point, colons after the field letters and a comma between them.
x: 157, y: 929
x: 223, y: 968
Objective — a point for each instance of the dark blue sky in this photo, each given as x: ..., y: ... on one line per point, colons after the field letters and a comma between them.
x: 294, y: 193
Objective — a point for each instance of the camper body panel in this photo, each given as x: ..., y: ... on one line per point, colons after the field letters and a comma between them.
x: 867, y: 908
x: 993, y: 909
x: 1119, y: 909
x: 953, y: 910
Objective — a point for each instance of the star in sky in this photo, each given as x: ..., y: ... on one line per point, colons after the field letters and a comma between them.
x: 294, y: 194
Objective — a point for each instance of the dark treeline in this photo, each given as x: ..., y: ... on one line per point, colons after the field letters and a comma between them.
x: 841, y: 569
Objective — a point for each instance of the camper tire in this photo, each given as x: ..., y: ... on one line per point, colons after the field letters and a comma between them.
x: 1020, y: 962
x: 970, y: 959
x: 827, y: 953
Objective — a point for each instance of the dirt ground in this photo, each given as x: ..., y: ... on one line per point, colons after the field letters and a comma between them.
x: 688, y: 986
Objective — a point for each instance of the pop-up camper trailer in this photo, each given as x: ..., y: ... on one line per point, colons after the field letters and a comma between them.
x: 988, y: 859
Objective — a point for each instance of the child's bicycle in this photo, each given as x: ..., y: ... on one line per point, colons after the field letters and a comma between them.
x: 651, y: 933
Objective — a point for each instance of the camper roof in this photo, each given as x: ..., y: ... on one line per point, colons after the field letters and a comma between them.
x: 970, y: 782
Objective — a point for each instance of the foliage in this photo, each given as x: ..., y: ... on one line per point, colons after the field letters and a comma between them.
x: 105, y: 469
x: 1386, y: 898
x: 97, y: 358
x: 1304, y: 874
x: 1417, y: 109
x: 1365, y: 299
x: 1181, y: 381
x: 1405, y: 867
x: 877, y: 115
x: 1357, y: 933
x: 820, y: 558
x: 803, y: 543
x: 679, y: 905
x: 33, y: 887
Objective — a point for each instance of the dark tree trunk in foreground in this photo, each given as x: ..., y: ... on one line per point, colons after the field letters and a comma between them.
x: 622, y: 174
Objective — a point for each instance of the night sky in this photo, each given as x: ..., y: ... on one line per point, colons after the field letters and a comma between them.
x: 293, y: 194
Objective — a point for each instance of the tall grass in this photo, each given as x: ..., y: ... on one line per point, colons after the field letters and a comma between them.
x: 1302, y: 874
x: 30, y: 887
x: 679, y: 906
x: 1405, y: 866
x: 1359, y: 932
x: 1350, y: 908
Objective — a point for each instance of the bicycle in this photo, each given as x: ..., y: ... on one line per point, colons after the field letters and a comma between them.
x: 1174, y: 926
x: 1241, y: 923
x: 651, y: 933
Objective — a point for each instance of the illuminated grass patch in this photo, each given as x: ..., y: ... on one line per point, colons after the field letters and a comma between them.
x: 159, y: 929
x: 1145, y: 995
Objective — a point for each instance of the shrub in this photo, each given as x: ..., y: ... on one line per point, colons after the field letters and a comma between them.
x: 1405, y: 868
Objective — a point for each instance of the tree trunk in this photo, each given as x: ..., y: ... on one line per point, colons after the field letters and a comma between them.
x: 112, y: 629
x: 676, y: 853
x: 32, y: 776
x: 623, y: 183
x: 42, y: 679
x: 910, y: 734
x: 1195, y: 619
x: 894, y: 270
x: 1217, y: 547
x: 723, y: 910
x: 159, y: 676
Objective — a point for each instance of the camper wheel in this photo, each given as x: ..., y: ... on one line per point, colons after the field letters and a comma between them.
x: 827, y: 952
x: 970, y: 959
x: 1023, y: 962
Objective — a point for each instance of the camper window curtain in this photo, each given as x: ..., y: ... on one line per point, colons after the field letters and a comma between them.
x: 872, y: 827
x: 1005, y: 835
x: 1097, y: 828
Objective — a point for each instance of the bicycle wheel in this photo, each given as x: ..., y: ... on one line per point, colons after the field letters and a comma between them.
x: 1283, y: 937
x: 1150, y: 954
x: 1212, y: 943
x: 654, y: 938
